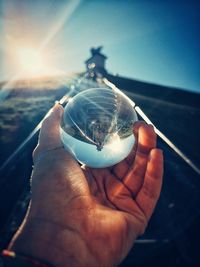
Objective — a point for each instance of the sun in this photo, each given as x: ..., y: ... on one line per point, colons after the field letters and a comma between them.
x: 32, y: 62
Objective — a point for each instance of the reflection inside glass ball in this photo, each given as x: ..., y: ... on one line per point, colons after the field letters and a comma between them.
x: 96, y: 127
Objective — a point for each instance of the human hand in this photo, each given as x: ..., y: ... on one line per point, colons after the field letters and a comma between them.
x: 85, y: 216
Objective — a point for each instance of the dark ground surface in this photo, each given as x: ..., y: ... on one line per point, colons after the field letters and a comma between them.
x: 172, y: 238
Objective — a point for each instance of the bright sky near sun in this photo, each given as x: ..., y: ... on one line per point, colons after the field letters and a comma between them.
x: 155, y: 41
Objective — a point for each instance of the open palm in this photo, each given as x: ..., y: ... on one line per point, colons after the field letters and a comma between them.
x: 92, y: 215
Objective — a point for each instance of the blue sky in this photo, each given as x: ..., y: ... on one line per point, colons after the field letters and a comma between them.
x: 156, y: 41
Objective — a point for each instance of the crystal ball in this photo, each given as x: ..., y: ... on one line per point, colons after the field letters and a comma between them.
x: 97, y: 127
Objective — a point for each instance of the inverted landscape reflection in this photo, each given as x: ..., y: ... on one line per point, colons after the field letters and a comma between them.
x: 96, y: 127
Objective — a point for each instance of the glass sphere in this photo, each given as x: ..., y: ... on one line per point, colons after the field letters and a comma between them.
x: 97, y: 127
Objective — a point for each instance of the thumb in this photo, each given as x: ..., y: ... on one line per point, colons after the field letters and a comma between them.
x: 49, y: 137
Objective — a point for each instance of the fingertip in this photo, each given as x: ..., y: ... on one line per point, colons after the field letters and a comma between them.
x: 55, y: 113
x: 151, y: 127
x: 146, y: 139
x: 147, y: 128
x: 147, y: 131
x: 58, y: 109
x: 137, y: 125
x: 53, y: 117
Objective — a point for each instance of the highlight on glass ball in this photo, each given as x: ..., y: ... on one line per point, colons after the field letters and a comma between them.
x: 97, y: 127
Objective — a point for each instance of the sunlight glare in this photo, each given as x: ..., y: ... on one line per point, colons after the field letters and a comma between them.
x: 116, y: 144
x: 31, y: 61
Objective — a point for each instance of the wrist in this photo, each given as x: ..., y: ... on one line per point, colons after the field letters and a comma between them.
x: 43, y: 240
x: 11, y: 259
x: 35, y: 239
